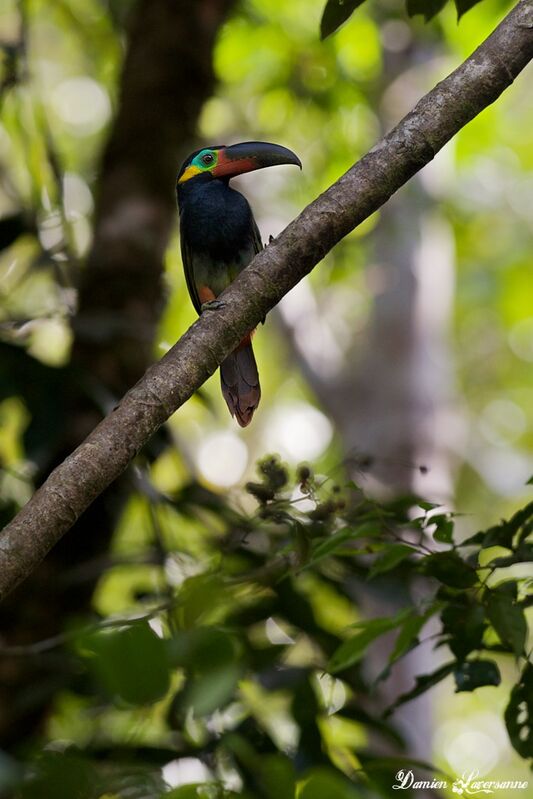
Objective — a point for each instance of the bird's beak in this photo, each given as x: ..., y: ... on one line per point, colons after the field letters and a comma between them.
x: 247, y: 156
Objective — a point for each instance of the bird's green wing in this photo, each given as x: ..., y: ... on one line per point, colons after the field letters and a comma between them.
x: 186, y: 257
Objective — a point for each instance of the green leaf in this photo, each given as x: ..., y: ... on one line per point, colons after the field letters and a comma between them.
x: 423, y: 683
x: 272, y: 775
x: 476, y: 673
x: 201, y: 649
x: 530, y: 481
x: 131, y: 662
x: 209, y: 657
x: 335, y: 13
x: 519, y: 714
x: 522, y: 519
x: 464, y: 623
x: 196, y: 790
x: 503, y: 534
x: 428, y: 8
x: 276, y: 776
x: 463, y: 6
x: 409, y: 632
x: 475, y: 539
x: 523, y: 554
x: 328, y: 546
x: 389, y: 558
x: 526, y: 531
x: 500, y: 535
x: 444, y: 528
x: 199, y: 599
x: 507, y: 616
x: 353, y: 649
x: 428, y: 505
x: 211, y: 690
x: 382, y: 773
x: 450, y: 569
x: 324, y: 783
x: 62, y: 775
x: 407, y: 638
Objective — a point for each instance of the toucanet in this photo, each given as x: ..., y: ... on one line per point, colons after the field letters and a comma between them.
x: 219, y: 237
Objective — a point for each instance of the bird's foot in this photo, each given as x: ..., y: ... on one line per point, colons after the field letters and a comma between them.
x: 212, y: 305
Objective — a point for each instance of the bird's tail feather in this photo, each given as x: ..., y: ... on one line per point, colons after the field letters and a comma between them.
x: 240, y: 382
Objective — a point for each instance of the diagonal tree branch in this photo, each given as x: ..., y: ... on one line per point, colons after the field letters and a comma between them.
x: 105, y: 454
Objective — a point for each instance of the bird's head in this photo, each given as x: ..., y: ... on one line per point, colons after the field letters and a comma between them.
x: 224, y: 162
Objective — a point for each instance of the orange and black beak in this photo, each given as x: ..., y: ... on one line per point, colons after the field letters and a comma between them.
x: 250, y: 155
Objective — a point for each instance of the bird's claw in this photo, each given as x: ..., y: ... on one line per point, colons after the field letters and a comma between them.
x: 212, y: 305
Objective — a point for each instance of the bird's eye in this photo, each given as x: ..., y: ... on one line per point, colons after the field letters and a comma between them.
x: 207, y: 158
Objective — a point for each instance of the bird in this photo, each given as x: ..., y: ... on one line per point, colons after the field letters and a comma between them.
x: 219, y: 237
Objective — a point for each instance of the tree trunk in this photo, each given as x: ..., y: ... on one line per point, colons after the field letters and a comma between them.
x: 390, y: 396
x: 167, y: 76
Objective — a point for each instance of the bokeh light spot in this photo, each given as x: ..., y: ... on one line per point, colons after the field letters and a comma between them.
x: 82, y: 104
x: 502, y: 422
x: 222, y: 458
x: 299, y: 432
x: 521, y: 339
x: 77, y: 196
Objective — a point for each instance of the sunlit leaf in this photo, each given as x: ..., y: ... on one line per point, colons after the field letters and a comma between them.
x: 199, y: 599
x: 523, y: 554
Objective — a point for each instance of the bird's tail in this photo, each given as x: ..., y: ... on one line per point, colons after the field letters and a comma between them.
x: 240, y: 382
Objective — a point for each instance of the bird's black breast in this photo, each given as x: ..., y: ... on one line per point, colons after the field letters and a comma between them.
x: 215, y: 219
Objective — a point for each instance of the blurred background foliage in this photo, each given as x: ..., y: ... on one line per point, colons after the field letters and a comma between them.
x: 404, y: 364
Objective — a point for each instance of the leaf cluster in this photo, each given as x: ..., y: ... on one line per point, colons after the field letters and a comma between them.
x: 337, y: 12
x: 253, y: 657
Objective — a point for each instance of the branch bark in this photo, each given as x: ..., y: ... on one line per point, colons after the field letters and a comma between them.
x: 105, y: 454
